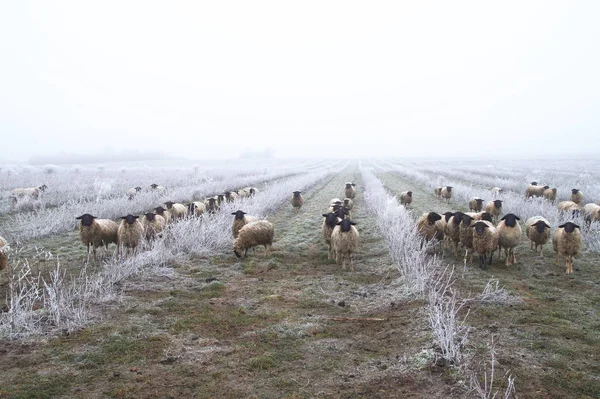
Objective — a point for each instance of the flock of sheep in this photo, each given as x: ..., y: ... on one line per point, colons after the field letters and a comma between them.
x: 479, y: 230
x: 132, y: 230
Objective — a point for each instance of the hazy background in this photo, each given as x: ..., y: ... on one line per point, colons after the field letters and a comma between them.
x: 344, y: 79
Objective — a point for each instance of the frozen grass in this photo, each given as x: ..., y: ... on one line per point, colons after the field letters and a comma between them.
x: 484, y: 387
x: 494, y: 294
x: 38, y: 305
x: 46, y: 221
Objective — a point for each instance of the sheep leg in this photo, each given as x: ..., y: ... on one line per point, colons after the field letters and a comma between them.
x: 351, y: 265
x: 531, y: 242
x: 94, y: 250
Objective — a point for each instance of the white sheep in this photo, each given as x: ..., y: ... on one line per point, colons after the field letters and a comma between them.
x: 297, y: 201
x: 260, y: 232
x: 178, y: 211
x: 131, y: 233
x: 438, y: 192
x: 569, y: 206
x: 153, y: 225
x: 350, y: 190
x: 496, y: 191
x: 132, y: 192
x: 494, y: 207
x: 485, y: 241
x: 240, y: 220
x: 533, y: 190
x: 537, y: 229
x: 329, y: 224
x: 476, y: 204
x: 452, y: 230
x: 591, y: 213
x: 164, y: 213
x: 159, y: 190
x: 31, y: 192
x: 446, y: 193
x: 567, y: 241
x: 344, y: 240
x: 406, y: 198
x: 196, y: 208
x: 576, y: 196
x: 509, y: 236
x: 96, y: 232
x: 550, y: 194
x: 231, y: 196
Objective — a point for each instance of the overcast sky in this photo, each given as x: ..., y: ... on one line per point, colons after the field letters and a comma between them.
x: 214, y: 79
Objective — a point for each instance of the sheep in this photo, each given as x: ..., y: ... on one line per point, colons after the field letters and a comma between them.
x: 476, y: 204
x: 329, y: 224
x: 348, y: 204
x: 494, y: 207
x: 178, y: 211
x: 453, y: 229
x: 569, y: 206
x: 211, y: 204
x: 438, y: 192
x: 153, y: 225
x: 533, y: 190
x: 350, y: 190
x: 249, y: 191
x: 231, y: 196
x: 260, y: 232
x: 576, y: 196
x: 334, y: 204
x: 241, y: 193
x: 482, y: 216
x: 427, y: 227
x: 485, y: 241
x: 591, y: 213
x: 132, y: 192
x: 196, y: 208
x: 441, y: 225
x: 32, y: 192
x: 537, y: 229
x: 446, y: 193
x: 496, y: 191
x: 550, y: 194
x: 509, y: 236
x: 342, y: 212
x: 220, y: 199
x: 164, y: 213
x: 406, y: 198
x: 344, y: 240
x: 297, y: 201
x: 567, y: 241
x: 158, y: 189
x: 131, y: 233
x: 3, y: 257
x: 97, y: 232
x: 466, y: 236
x: 240, y: 220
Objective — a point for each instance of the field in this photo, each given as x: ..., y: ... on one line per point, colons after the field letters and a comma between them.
x: 186, y: 318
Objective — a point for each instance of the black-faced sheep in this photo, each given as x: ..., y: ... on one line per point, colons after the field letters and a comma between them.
x: 196, y: 208
x: 427, y: 227
x: 446, y: 193
x: 569, y: 206
x: 178, y: 211
x: 153, y: 225
x: 164, y: 213
x: 348, y: 204
x: 509, y: 236
x: 350, y: 190
x: 485, y: 241
x: 256, y: 233
x: 453, y: 229
x: 494, y: 207
x: 329, y: 224
x: 297, y: 201
x: 466, y: 236
x: 96, y: 232
x: 158, y: 189
x: 344, y: 240
x: 576, y: 196
x: 231, y: 196
x: 132, y: 192
x: 240, y: 220
x: 406, y: 198
x: 533, y: 190
x: 537, y: 229
x: 567, y: 241
x: 476, y: 204
x: 131, y: 233
x: 212, y: 205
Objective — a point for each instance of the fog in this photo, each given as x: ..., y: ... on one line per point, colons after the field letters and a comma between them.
x: 205, y: 80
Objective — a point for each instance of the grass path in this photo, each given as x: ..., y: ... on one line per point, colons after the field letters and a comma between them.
x: 551, y: 341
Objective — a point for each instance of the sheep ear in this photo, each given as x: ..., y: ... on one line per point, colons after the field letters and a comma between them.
x: 233, y: 213
x: 518, y: 218
x: 561, y: 226
x: 576, y: 226
x: 325, y: 215
x: 353, y: 185
x: 547, y: 225
x: 79, y: 217
x: 136, y: 217
x: 123, y: 217
x: 503, y: 217
x: 339, y: 223
x: 353, y: 223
